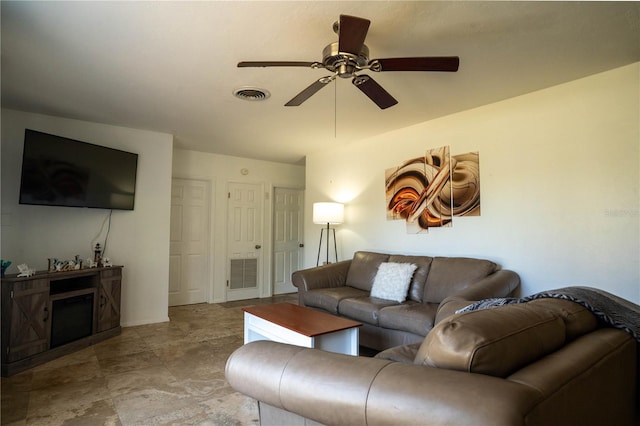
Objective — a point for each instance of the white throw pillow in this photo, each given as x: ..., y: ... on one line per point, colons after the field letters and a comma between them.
x: 392, y: 281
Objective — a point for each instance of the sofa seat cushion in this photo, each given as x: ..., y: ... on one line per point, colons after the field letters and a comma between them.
x: 451, y: 275
x: 363, y: 269
x: 496, y: 341
x: 414, y: 317
x: 329, y: 298
x: 365, y: 309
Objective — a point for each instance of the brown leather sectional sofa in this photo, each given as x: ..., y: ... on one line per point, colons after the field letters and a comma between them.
x: 438, y: 287
x: 545, y: 362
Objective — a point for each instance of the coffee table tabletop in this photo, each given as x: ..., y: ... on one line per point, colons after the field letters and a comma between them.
x: 297, y: 325
x: 302, y: 320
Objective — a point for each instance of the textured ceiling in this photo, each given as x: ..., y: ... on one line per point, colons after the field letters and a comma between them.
x: 171, y: 66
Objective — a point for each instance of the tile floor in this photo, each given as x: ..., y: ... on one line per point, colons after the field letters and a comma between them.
x: 159, y: 374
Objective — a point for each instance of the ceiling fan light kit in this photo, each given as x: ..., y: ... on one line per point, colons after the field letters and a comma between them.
x: 347, y: 57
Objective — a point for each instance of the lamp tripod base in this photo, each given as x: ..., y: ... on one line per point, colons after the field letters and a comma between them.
x: 335, y: 246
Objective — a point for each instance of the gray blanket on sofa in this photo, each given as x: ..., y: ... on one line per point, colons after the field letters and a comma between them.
x: 610, y: 309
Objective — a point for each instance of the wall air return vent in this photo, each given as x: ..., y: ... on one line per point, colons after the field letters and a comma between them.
x: 244, y: 274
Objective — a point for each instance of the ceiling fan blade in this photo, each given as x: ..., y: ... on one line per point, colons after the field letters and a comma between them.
x: 433, y: 63
x: 246, y: 64
x: 310, y: 91
x: 374, y: 91
x: 352, y: 32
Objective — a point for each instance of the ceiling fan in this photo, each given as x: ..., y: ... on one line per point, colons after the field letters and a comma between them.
x: 349, y: 55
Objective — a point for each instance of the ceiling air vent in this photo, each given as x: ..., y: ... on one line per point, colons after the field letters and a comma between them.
x: 251, y: 93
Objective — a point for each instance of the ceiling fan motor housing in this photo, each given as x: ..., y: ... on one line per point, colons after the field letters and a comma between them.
x: 345, y: 64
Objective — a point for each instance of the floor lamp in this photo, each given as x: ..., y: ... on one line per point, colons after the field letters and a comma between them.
x: 328, y: 214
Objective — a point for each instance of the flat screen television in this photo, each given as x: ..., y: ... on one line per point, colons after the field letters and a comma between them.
x: 58, y: 171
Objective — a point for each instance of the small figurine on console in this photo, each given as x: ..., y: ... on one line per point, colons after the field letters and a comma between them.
x: 97, y: 255
x: 91, y: 263
x: 25, y: 271
x: 4, y: 264
x: 106, y: 262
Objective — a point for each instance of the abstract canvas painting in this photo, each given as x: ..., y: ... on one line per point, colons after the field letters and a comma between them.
x: 429, y: 191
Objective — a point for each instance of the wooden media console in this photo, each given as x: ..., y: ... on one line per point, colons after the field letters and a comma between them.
x: 51, y: 314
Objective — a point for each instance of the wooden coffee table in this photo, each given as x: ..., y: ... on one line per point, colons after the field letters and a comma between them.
x: 297, y: 325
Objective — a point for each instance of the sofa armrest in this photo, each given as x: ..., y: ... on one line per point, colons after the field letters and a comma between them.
x: 502, y: 283
x: 336, y: 389
x: 330, y: 275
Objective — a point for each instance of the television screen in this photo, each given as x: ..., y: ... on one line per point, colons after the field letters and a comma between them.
x: 58, y: 171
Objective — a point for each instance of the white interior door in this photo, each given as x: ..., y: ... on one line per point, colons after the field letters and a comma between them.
x: 189, y: 246
x: 288, y: 233
x: 244, y: 240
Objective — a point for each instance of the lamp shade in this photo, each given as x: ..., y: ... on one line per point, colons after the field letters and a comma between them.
x: 324, y: 213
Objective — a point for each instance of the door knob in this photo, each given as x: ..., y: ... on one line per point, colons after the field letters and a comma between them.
x: 300, y: 245
x: 258, y: 246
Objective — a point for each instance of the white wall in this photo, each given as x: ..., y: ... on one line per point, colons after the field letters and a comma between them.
x: 219, y: 170
x: 559, y: 186
x: 138, y: 239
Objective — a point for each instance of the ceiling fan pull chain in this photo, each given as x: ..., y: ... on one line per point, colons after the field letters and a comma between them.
x: 335, y: 111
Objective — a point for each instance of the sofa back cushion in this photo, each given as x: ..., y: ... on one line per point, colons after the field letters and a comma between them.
x: 578, y: 320
x: 423, y: 263
x: 496, y: 341
x: 450, y: 275
x: 363, y: 269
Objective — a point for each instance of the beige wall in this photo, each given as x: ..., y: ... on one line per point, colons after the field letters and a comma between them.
x: 138, y: 239
x: 559, y: 186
